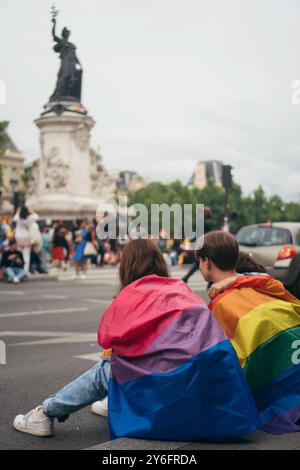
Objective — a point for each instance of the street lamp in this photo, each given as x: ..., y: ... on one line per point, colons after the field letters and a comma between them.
x: 227, y: 185
x: 14, y: 180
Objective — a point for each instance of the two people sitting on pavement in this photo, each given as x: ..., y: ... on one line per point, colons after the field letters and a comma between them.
x: 175, y: 369
x: 12, y: 263
x: 169, y: 371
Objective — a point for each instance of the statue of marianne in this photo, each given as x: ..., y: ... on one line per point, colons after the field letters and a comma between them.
x: 68, y: 85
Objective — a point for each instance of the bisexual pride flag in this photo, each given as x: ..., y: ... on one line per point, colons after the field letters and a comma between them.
x: 174, y: 373
x: 262, y: 320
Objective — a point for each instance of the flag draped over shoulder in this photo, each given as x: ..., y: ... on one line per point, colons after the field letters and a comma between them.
x: 174, y: 373
x: 262, y: 320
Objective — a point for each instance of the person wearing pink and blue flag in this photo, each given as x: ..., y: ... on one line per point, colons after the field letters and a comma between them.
x: 169, y: 370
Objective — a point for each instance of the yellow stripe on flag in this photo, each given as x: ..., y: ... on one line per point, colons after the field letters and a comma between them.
x: 236, y: 304
x: 261, y: 324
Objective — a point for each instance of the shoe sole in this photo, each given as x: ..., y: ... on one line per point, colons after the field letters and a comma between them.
x: 104, y: 415
x: 32, y: 432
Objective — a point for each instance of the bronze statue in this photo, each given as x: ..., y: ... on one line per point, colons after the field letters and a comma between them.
x: 68, y: 85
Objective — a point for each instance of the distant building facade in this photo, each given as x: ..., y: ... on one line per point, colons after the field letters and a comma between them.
x: 130, y: 181
x: 205, y: 172
x: 12, y: 170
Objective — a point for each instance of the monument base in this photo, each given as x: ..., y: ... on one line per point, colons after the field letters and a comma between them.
x: 69, y: 180
x: 65, y: 207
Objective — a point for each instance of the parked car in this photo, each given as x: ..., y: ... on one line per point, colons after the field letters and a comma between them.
x: 276, y: 246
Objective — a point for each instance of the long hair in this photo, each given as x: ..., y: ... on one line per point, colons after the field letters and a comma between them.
x: 24, y: 212
x: 246, y: 264
x: 141, y: 258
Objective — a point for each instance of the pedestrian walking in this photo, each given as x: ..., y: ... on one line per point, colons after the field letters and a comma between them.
x: 46, y: 246
x: 91, y: 248
x: 25, y: 219
x: 60, y: 248
x: 195, y: 265
x: 80, y: 261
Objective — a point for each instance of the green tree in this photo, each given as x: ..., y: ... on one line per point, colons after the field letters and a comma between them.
x: 292, y: 211
x: 276, y: 209
x: 3, y: 142
x: 254, y: 208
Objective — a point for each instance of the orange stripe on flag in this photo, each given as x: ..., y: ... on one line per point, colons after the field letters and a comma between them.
x: 230, y: 308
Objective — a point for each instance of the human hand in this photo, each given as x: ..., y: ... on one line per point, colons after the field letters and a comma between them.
x: 212, y: 292
x: 219, y: 287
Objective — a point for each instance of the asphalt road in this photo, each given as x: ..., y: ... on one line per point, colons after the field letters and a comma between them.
x: 50, y: 331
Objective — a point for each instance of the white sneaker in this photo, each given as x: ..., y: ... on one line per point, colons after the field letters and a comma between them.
x: 33, y: 423
x: 16, y: 280
x: 82, y: 277
x: 100, y: 408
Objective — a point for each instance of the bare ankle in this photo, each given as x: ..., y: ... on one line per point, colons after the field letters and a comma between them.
x: 42, y: 414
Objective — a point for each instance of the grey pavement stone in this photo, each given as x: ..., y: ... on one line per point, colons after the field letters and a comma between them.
x: 138, y: 444
x: 256, y: 441
x: 42, y: 277
x: 265, y: 441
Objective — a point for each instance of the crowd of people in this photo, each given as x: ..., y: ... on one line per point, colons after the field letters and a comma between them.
x: 29, y: 245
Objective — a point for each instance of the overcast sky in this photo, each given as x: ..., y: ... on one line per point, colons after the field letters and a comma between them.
x: 169, y: 83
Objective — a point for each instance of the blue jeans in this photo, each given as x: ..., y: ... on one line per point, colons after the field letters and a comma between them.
x: 15, y: 272
x: 85, y: 390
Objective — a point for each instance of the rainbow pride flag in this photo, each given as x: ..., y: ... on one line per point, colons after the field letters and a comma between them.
x: 174, y: 373
x: 262, y: 321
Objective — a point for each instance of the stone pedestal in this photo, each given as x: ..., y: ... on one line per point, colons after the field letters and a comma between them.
x: 69, y: 180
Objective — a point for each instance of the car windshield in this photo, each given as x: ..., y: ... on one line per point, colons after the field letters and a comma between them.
x: 264, y: 236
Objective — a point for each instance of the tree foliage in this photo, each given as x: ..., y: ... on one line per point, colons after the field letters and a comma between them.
x: 254, y: 208
x: 3, y: 142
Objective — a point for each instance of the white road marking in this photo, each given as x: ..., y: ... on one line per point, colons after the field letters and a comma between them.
x: 11, y: 292
x: 53, y: 296
x: 53, y: 337
x: 98, y: 301
x: 34, y: 333
x: 95, y: 276
x: 42, y: 312
x: 94, y: 357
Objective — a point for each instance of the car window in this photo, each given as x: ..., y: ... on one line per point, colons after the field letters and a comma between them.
x: 298, y: 237
x: 264, y: 236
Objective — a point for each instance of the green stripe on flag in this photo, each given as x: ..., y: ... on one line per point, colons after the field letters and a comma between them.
x: 271, y: 358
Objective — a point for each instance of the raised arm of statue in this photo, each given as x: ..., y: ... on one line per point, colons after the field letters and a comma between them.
x: 56, y: 38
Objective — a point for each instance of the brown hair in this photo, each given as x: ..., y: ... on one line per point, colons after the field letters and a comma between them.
x: 141, y: 258
x: 246, y: 264
x: 221, y: 248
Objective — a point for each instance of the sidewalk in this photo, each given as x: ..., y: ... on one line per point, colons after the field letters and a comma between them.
x: 109, y: 275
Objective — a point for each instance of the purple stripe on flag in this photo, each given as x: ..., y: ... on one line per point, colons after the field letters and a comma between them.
x: 285, y: 422
x: 194, y: 331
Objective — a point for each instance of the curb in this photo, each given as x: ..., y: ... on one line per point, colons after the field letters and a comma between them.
x: 42, y: 278
x: 35, y: 278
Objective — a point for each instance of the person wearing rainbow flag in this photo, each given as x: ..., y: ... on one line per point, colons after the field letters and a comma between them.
x: 262, y: 320
x: 172, y: 373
